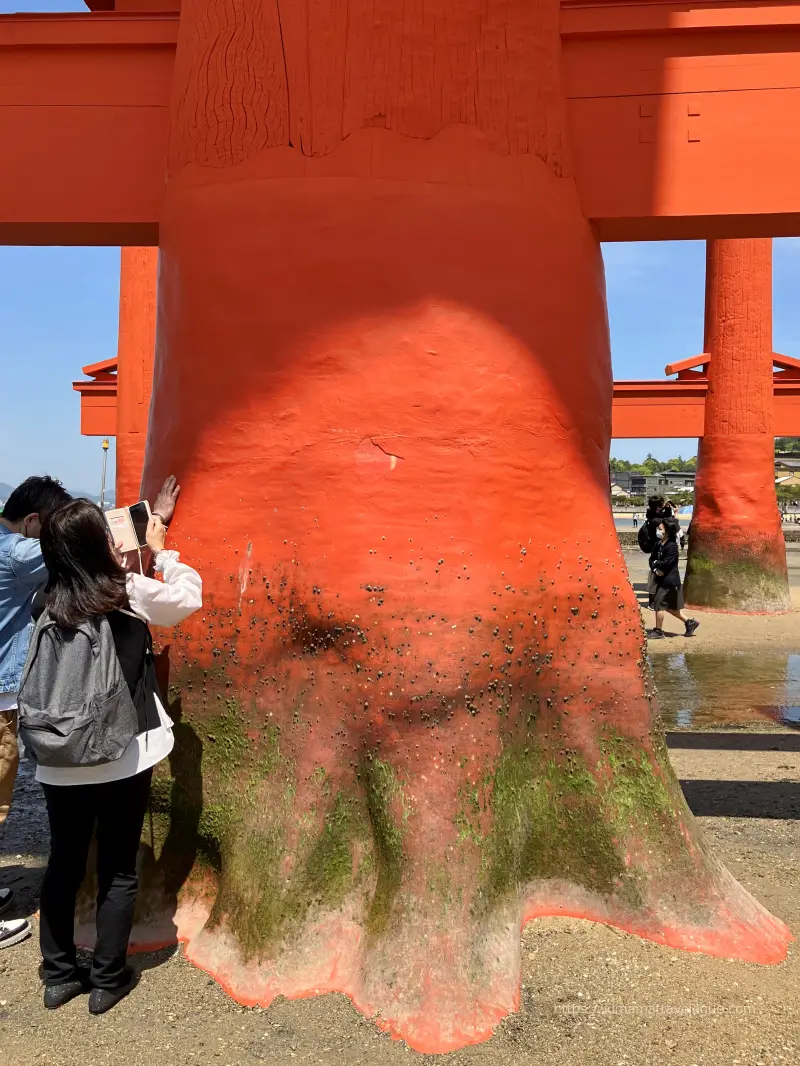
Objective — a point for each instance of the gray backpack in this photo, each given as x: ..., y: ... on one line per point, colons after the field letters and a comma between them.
x: 75, y: 708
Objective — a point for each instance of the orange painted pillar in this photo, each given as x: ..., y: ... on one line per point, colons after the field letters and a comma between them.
x: 135, y: 352
x: 737, y: 554
x: 383, y: 379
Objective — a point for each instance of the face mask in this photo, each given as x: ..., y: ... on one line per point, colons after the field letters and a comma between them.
x: 660, y: 534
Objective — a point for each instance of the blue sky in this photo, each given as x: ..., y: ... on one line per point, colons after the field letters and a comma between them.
x: 655, y: 306
x: 58, y: 312
x: 7, y: 6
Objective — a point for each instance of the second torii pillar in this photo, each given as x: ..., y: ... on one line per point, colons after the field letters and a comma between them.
x: 737, y: 554
x: 137, y: 330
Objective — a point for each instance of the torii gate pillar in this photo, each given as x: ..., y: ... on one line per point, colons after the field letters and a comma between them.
x: 737, y: 555
x: 136, y: 347
x: 382, y: 340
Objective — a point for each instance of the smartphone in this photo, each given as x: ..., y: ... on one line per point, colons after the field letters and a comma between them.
x: 128, y: 525
x: 140, y: 516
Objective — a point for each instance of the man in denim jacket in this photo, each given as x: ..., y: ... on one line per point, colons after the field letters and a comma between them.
x: 22, y: 574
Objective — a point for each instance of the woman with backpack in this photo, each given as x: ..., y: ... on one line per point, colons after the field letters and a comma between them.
x: 93, y: 719
x: 667, y: 595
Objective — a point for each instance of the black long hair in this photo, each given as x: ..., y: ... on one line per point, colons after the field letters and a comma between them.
x: 672, y: 527
x: 86, y: 580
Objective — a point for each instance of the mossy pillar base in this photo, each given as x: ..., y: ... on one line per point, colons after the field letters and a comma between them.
x: 737, y: 554
x: 414, y: 712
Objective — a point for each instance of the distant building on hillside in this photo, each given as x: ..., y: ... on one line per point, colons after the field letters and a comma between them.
x: 678, y: 480
x: 654, y: 484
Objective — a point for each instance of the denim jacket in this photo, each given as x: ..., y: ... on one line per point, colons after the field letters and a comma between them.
x: 22, y: 574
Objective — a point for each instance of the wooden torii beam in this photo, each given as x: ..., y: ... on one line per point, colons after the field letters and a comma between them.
x: 683, y: 117
x: 84, y: 115
x: 676, y: 408
x: 683, y: 121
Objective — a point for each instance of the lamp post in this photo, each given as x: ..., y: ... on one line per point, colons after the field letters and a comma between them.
x: 103, y: 480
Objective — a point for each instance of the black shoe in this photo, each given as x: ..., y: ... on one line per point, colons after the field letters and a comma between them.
x: 6, y: 896
x: 57, y: 995
x: 655, y: 634
x: 691, y: 626
x: 103, y: 999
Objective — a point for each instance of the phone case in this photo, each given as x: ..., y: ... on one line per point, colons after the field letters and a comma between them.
x: 123, y: 532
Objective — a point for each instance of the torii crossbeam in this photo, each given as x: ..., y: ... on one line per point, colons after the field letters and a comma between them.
x: 682, y: 120
x: 676, y: 408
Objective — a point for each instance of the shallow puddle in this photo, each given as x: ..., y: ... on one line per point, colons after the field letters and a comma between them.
x: 697, y: 691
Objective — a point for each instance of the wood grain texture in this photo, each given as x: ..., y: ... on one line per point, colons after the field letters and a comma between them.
x: 231, y: 96
x: 253, y: 75
x: 739, y: 336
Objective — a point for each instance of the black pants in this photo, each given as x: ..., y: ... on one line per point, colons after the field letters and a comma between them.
x: 117, y: 809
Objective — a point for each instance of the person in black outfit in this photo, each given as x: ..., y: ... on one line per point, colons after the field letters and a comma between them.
x: 667, y: 596
x: 657, y: 510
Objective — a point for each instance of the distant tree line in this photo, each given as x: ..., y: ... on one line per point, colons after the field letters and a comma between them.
x: 652, y: 465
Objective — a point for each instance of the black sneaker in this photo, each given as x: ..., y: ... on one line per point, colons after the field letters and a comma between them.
x: 6, y: 896
x: 103, y: 999
x: 56, y: 996
x: 655, y: 634
x: 691, y: 627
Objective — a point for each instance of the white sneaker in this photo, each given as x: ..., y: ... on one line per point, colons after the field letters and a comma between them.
x: 14, y: 931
